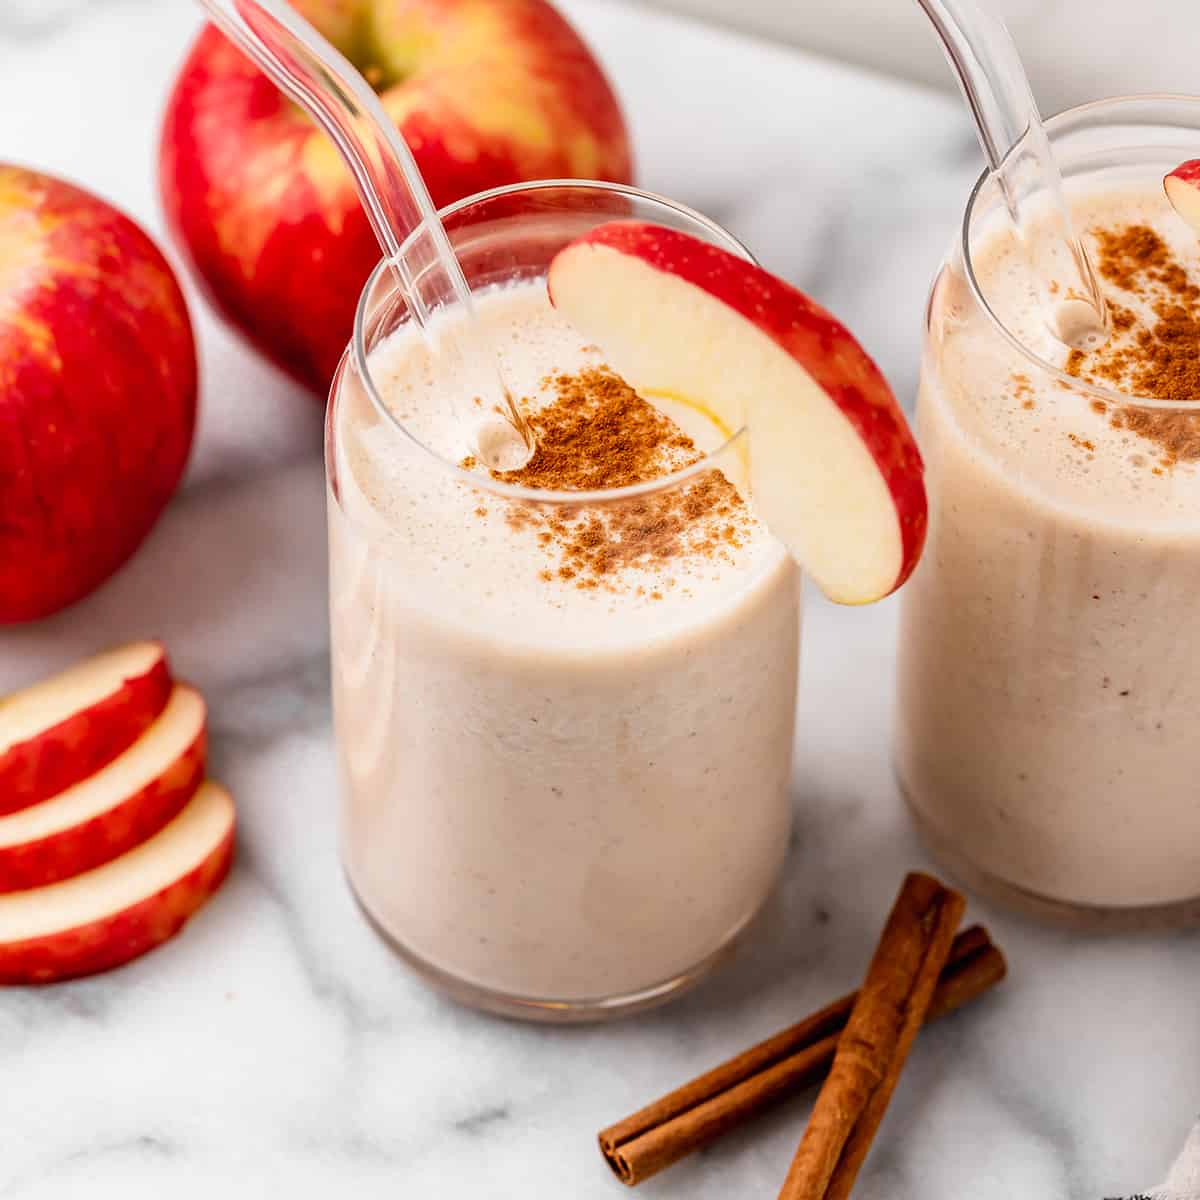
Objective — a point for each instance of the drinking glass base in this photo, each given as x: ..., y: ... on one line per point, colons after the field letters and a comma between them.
x: 1050, y: 910
x: 546, y: 1010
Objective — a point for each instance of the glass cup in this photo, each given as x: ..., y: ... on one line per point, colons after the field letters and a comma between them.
x: 1049, y: 655
x: 559, y: 800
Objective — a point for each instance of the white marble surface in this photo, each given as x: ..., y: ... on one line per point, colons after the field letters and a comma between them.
x: 276, y: 1047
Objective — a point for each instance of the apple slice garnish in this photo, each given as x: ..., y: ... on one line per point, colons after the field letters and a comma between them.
x: 124, y: 803
x: 59, y: 731
x: 834, y: 469
x: 1182, y: 186
x: 116, y: 912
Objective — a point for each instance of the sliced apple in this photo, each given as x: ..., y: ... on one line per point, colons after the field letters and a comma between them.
x: 835, y: 471
x: 66, y: 728
x: 116, y: 912
x: 110, y: 812
x: 1182, y: 186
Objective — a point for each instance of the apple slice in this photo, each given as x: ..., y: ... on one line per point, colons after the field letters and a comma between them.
x: 107, y: 916
x: 1182, y: 186
x: 66, y: 728
x: 110, y: 812
x: 834, y: 469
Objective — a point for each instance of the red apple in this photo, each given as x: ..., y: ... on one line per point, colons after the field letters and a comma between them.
x: 97, y: 391
x: 109, y: 915
x: 115, y: 809
x: 486, y: 92
x: 65, y: 728
x: 835, y: 471
x: 1182, y: 186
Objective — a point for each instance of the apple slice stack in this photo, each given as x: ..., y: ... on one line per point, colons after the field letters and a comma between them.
x: 110, y: 836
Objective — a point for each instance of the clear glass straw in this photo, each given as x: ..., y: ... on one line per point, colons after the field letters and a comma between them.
x: 1014, y: 141
x: 313, y: 73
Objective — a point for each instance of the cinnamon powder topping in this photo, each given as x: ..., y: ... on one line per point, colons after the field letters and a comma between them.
x: 599, y: 433
x: 1161, y: 359
x: 1022, y: 387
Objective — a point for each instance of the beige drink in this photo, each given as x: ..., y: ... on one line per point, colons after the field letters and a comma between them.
x: 1050, y: 640
x: 565, y: 751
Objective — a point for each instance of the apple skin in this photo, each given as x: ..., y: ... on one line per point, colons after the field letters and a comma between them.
x: 78, y: 746
x: 1182, y: 186
x: 493, y: 92
x: 117, y: 938
x: 1188, y: 172
x: 97, y: 391
x: 107, y: 835
x: 812, y: 336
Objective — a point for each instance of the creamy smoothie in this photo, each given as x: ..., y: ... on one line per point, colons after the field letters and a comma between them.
x: 1050, y: 640
x: 565, y: 732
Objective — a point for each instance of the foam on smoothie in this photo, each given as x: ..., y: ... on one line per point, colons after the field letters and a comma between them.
x: 1069, y: 452
x: 485, y: 574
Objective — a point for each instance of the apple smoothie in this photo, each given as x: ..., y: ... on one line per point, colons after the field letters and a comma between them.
x: 1050, y: 640
x: 564, y: 730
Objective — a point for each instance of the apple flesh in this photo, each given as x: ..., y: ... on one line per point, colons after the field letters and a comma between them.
x: 109, y: 915
x: 120, y: 806
x: 97, y: 391
x: 1182, y: 186
x: 63, y: 729
x: 485, y: 92
x: 835, y: 472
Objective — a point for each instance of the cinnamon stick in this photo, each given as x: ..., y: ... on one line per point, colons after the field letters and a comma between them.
x: 891, y: 1007
x: 721, y: 1100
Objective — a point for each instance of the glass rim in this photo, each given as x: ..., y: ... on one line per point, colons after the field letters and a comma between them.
x: 1109, y: 395
x: 357, y: 350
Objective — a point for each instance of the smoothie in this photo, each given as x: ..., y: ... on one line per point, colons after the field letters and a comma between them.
x: 565, y: 731
x: 1050, y: 640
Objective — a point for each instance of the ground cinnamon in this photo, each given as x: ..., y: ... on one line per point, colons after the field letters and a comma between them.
x: 598, y: 433
x: 1159, y: 359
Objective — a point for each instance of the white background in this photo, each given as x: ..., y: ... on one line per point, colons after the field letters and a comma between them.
x: 1075, y: 50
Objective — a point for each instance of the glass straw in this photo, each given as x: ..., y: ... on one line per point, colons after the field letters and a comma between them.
x: 1014, y: 141
x: 313, y: 73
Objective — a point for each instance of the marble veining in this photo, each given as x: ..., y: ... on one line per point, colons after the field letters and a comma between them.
x: 276, y: 1047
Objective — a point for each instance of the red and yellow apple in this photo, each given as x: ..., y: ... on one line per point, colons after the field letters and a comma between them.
x: 109, y: 915
x: 485, y: 92
x: 834, y: 468
x: 63, y: 729
x: 116, y: 808
x: 97, y: 391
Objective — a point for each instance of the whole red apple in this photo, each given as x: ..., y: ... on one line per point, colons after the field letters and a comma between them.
x: 97, y: 391
x: 486, y: 92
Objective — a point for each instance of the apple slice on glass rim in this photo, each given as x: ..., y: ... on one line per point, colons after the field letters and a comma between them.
x: 1182, y: 186
x: 834, y: 469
